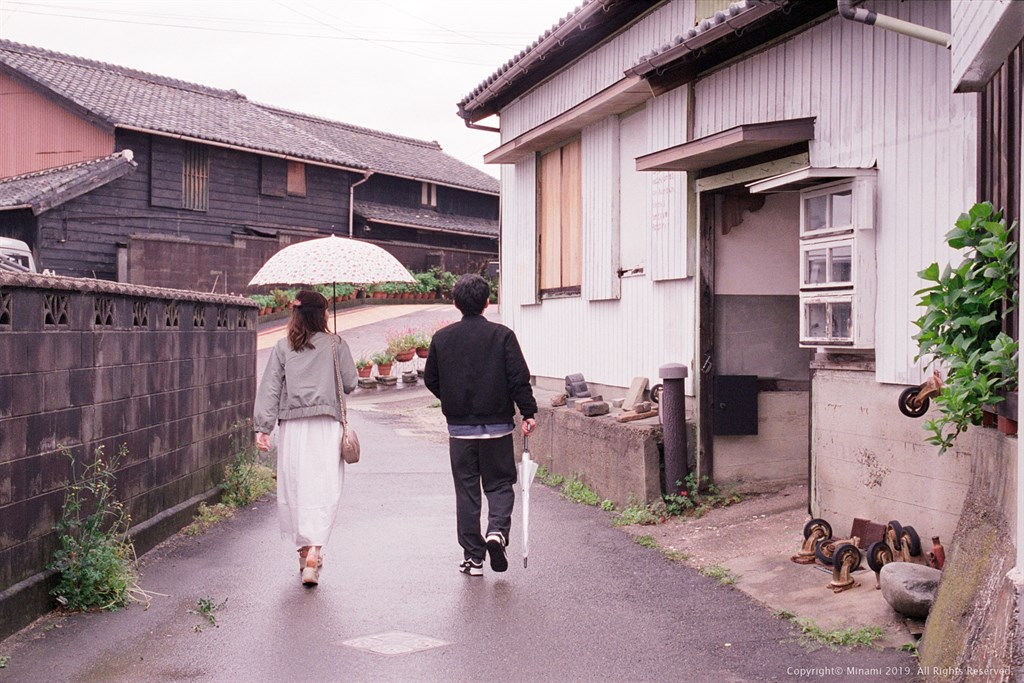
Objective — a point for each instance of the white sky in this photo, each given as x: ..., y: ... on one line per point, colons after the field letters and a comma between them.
x: 394, y: 65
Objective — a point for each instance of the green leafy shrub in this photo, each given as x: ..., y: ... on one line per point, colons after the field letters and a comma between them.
x: 694, y: 501
x: 962, y: 324
x: 248, y: 477
x: 95, y: 559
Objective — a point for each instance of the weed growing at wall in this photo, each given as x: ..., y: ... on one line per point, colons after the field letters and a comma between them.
x: 962, y: 324
x: 248, y: 477
x: 694, y: 501
x: 94, y: 558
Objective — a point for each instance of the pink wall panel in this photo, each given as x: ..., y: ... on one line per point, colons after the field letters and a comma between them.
x: 36, y: 134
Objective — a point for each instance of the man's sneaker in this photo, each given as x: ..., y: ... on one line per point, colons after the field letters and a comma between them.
x: 471, y: 567
x: 496, y: 549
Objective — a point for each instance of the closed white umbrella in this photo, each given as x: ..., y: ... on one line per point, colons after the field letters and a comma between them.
x: 527, y: 471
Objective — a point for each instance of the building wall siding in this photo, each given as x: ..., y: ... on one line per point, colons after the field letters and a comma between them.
x: 972, y: 24
x: 40, y: 134
x: 878, y: 98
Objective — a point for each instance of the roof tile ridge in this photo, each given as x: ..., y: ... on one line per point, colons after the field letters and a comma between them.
x: 117, y: 69
x: 67, y: 167
x: 434, y: 144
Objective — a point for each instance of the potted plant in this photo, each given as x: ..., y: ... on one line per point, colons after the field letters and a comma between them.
x: 422, y: 343
x: 364, y: 366
x: 401, y: 344
x: 383, y: 361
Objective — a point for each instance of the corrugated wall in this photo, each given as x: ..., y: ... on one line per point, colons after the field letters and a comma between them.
x: 878, y: 97
x: 972, y: 23
x: 38, y: 134
x: 596, y: 70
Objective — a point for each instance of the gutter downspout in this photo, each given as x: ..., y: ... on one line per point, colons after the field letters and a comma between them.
x: 872, y: 18
x: 352, y: 199
x: 477, y: 126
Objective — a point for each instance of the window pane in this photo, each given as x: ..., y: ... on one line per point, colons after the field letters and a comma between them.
x: 842, y: 320
x: 814, y: 267
x: 842, y: 266
x: 814, y: 213
x: 550, y: 190
x: 815, y: 315
x: 842, y: 209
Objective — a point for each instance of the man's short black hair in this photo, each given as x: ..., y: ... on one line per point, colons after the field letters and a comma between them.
x: 471, y: 294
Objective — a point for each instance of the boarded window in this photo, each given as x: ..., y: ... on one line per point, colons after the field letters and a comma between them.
x: 273, y: 176
x: 195, y: 178
x: 297, y: 178
x: 561, y: 219
x: 165, y: 186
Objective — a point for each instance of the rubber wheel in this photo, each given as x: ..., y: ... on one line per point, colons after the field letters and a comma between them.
x: 656, y: 393
x: 904, y: 403
x: 824, y: 550
x: 879, y: 555
x: 844, y: 551
x: 897, y: 529
x: 912, y: 540
x: 819, y: 523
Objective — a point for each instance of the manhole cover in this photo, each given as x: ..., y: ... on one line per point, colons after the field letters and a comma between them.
x: 394, y: 643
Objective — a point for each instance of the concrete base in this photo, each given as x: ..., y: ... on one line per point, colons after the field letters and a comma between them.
x: 619, y: 461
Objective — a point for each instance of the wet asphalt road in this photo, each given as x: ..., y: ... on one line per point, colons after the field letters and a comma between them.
x: 593, y: 604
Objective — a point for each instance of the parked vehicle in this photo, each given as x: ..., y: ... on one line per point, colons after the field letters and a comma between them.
x: 16, y: 256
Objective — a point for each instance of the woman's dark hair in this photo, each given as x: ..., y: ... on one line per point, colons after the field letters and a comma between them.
x: 307, y: 319
x: 471, y: 293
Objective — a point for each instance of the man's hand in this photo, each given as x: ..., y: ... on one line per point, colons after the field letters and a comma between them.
x: 528, y: 426
x: 262, y: 441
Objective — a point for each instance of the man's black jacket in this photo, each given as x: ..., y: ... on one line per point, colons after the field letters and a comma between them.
x: 478, y: 371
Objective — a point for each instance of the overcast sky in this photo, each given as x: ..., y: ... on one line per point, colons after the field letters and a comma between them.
x: 394, y: 65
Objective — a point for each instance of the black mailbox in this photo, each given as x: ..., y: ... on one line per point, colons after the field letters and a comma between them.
x: 735, y: 401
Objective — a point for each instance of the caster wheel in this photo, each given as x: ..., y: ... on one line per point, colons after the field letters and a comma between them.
x: 897, y: 534
x: 911, y: 540
x: 819, y: 524
x: 846, y: 552
x: 656, y: 393
x: 907, y: 409
x: 825, y: 550
x: 879, y: 555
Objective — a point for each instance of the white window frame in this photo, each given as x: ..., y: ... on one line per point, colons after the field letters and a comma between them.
x: 859, y: 291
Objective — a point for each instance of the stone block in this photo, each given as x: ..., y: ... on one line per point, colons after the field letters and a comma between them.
x: 595, y: 408
x: 909, y: 588
x: 635, y: 394
x: 617, y: 402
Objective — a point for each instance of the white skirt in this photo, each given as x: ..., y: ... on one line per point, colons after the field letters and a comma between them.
x: 310, y: 475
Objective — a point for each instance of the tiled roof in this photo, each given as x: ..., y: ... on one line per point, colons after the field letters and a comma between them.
x: 44, y: 189
x: 425, y: 218
x: 393, y: 154
x: 129, y: 98
x: 123, y: 97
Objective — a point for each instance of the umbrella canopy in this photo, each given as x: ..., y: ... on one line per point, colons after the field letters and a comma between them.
x: 527, y: 470
x: 329, y: 260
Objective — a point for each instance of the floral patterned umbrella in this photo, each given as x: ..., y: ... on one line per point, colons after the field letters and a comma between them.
x: 330, y: 260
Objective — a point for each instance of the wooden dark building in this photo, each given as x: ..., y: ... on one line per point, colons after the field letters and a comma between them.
x: 117, y: 174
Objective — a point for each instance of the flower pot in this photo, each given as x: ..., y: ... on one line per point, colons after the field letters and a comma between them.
x: 365, y: 372
x: 405, y: 356
x: 1006, y: 426
x: 421, y: 351
x: 384, y: 370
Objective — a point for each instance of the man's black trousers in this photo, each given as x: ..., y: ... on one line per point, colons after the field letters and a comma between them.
x: 490, y: 463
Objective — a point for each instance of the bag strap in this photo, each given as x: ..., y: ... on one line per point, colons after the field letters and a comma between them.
x: 337, y: 382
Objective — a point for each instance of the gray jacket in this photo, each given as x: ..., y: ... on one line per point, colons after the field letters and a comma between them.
x: 301, y: 383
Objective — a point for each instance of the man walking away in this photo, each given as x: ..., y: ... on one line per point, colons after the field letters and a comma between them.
x: 478, y: 371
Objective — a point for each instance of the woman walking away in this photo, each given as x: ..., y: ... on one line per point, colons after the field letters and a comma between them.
x: 299, y: 394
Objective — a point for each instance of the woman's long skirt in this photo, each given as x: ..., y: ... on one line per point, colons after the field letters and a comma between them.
x: 310, y: 475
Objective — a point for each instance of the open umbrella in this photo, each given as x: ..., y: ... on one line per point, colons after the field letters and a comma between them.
x: 527, y: 471
x: 331, y: 260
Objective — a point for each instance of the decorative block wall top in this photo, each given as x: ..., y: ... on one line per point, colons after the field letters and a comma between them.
x: 77, y: 284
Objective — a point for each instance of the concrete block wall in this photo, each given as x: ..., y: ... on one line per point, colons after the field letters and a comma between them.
x: 870, y: 461
x: 618, y: 461
x: 777, y: 455
x: 89, y: 363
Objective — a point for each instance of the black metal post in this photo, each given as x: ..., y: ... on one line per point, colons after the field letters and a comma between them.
x: 672, y: 408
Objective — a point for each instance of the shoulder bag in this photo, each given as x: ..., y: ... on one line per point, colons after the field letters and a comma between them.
x: 349, y: 439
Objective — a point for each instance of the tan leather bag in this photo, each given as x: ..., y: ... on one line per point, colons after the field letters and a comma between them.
x: 349, y: 439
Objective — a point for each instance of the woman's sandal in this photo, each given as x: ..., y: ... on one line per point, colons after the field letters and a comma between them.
x: 311, y: 572
x: 303, y: 551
